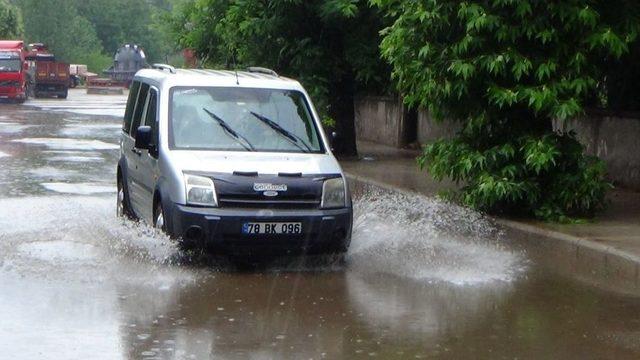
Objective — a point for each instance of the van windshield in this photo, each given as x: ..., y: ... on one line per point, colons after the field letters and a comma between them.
x: 241, y: 119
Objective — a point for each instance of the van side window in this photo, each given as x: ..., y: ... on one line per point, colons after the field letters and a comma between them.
x: 131, y: 104
x: 151, y: 118
x: 138, y: 112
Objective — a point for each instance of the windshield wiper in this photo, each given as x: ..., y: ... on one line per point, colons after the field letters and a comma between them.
x: 229, y: 131
x: 293, y: 138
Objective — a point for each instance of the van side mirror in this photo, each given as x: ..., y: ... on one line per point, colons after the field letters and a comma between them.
x: 143, y: 138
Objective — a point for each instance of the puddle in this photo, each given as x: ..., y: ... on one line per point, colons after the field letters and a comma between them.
x: 97, y: 111
x: 52, y: 173
x: 56, y: 251
x: 78, y: 188
x: 75, y: 158
x: 69, y: 144
x: 12, y: 128
x: 91, y: 130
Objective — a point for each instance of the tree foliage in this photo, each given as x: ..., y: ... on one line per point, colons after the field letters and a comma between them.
x: 10, y: 21
x: 330, y: 45
x: 119, y: 22
x: 58, y: 24
x: 90, y: 31
x: 506, y: 69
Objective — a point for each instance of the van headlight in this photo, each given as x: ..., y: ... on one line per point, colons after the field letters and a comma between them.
x: 333, y: 194
x: 200, y: 190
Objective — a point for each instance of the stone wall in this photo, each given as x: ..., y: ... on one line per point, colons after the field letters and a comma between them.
x: 616, y: 140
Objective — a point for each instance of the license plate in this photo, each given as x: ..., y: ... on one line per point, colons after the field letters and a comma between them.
x: 272, y: 228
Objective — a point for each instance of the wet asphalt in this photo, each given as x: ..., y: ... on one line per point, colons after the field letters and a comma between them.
x: 423, y: 279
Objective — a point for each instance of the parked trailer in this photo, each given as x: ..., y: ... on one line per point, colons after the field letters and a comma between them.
x: 14, y: 75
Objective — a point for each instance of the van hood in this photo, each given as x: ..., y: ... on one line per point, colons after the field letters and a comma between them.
x: 263, y: 163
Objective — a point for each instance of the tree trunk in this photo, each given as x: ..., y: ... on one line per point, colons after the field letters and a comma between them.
x: 343, y: 111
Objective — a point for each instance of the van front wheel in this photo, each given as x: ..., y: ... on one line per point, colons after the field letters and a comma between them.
x: 159, y: 220
x: 122, y: 204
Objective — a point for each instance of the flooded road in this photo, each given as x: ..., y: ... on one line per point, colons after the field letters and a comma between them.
x: 423, y: 279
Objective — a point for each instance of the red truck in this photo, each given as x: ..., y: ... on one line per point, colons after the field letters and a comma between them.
x: 51, y: 78
x: 14, y: 76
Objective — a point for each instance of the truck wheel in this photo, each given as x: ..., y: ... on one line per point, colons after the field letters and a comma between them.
x: 64, y: 94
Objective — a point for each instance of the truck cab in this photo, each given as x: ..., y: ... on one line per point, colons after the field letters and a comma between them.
x: 13, y: 71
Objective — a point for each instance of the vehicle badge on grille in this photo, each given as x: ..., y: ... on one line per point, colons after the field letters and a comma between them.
x: 270, y: 190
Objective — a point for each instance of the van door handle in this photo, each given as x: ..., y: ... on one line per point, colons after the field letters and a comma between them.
x: 136, y: 151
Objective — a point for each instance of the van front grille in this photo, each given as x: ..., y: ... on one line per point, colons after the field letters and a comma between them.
x: 262, y: 202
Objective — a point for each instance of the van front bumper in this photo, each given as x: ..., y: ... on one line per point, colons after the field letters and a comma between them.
x: 323, y: 231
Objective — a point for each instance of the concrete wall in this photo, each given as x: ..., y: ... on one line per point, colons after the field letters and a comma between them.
x: 616, y: 140
x: 430, y: 130
x: 383, y: 120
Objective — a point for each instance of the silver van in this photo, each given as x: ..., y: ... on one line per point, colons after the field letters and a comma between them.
x: 231, y: 161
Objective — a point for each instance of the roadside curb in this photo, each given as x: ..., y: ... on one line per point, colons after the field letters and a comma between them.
x: 592, y: 262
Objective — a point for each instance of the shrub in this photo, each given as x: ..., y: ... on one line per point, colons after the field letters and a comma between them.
x: 506, y: 69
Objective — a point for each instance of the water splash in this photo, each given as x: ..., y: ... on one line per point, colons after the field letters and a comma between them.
x: 428, y: 240
x: 51, y: 228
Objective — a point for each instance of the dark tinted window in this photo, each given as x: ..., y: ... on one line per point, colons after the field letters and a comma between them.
x: 151, y: 118
x: 137, y: 113
x: 131, y: 104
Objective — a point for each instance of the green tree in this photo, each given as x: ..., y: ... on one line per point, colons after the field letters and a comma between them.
x: 330, y: 45
x: 10, y: 21
x: 506, y: 69
x: 68, y: 35
x: 118, y: 22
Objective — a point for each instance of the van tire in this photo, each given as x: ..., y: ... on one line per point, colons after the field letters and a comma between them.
x: 123, y: 208
x: 159, y: 218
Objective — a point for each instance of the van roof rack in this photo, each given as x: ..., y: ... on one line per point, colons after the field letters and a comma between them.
x: 262, y: 70
x: 164, y: 67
